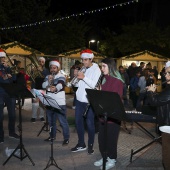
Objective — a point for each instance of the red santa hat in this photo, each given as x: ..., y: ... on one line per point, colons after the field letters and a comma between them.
x: 54, y: 62
x: 167, y: 64
x: 2, y: 53
x: 41, y: 58
x: 86, y: 54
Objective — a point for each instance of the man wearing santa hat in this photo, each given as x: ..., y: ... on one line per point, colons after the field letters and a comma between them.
x: 54, y: 85
x: 36, y: 104
x: 87, y: 80
x: 6, y: 77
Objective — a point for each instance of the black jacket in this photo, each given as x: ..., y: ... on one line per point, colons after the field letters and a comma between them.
x: 162, y: 102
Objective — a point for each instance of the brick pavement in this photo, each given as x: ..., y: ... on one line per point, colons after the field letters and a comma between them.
x: 39, y: 151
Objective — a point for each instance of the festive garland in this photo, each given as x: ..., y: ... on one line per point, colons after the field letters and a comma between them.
x: 67, y: 17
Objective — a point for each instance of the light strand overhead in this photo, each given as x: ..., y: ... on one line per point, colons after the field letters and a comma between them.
x: 67, y: 17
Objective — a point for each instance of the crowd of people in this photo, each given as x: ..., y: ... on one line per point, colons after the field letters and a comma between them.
x: 138, y: 80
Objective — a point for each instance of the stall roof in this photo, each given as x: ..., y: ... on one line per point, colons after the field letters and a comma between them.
x: 16, y: 48
x: 75, y: 54
x: 145, y: 55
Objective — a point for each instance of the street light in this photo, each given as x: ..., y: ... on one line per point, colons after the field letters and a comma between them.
x: 91, y: 41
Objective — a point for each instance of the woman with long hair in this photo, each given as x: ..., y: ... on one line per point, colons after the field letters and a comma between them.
x: 112, y: 82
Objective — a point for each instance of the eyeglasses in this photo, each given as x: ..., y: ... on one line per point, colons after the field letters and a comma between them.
x: 167, y: 73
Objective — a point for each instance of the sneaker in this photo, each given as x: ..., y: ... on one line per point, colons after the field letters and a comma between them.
x: 78, y: 148
x: 14, y: 135
x: 74, y: 107
x: 65, y: 142
x: 42, y: 119
x: 109, y: 164
x: 1, y: 140
x: 90, y: 149
x: 49, y: 139
x: 33, y: 120
x: 99, y: 162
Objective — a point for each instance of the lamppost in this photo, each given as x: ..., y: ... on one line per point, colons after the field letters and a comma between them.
x: 91, y: 41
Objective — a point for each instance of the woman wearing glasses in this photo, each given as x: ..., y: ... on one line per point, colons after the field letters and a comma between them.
x: 162, y: 102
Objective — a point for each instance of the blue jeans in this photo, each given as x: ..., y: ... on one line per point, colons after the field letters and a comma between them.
x: 80, y: 109
x: 10, y: 103
x: 52, y: 118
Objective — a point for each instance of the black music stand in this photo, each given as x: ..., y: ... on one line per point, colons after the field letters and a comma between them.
x: 18, y: 91
x: 38, y: 82
x: 52, y: 103
x: 45, y: 126
x: 38, y: 86
x: 45, y: 100
x: 106, y: 104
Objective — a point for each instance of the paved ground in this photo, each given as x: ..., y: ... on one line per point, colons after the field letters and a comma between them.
x: 39, y: 150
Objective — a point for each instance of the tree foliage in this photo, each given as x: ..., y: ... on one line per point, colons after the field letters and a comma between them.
x: 50, y: 38
x: 136, y: 38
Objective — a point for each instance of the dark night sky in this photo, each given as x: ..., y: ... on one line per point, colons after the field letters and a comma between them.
x: 145, y: 10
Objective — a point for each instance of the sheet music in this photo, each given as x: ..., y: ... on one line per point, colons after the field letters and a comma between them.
x: 46, y: 99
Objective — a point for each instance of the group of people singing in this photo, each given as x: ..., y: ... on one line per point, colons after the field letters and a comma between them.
x: 54, y: 84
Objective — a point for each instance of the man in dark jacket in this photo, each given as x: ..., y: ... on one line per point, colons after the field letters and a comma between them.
x: 6, y: 77
x: 162, y: 100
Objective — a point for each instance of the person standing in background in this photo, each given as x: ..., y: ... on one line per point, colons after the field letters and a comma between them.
x: 125, y: 77
x: 132, y: 70
x: 134, y: 89
x: 36, y: 104
x: 73, y: 72
x: 141, y: 68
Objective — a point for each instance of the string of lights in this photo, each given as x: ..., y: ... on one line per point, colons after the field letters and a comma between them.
x: 67, y: 17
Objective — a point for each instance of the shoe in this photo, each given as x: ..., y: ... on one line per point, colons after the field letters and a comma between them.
x: 42, y: 119
x: 78, y: 148
x: 14, y: 135
x: 99, y: 162
x: 33, y: 120
x: 65, y: 142
x: 109, y: 164
x: 49, y: 139
x: 74, y: 107
x: 90, y: 149
x: 1, y: 140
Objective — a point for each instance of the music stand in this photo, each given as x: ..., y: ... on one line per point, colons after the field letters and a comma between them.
x: 109, y: 105
x: 38, y: 82
x: 38, y: 86
x: 18, y: 91
x: 48, y: 102
x: 52, y: 103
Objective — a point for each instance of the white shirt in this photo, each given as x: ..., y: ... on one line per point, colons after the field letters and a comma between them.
x: 90, y: 80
